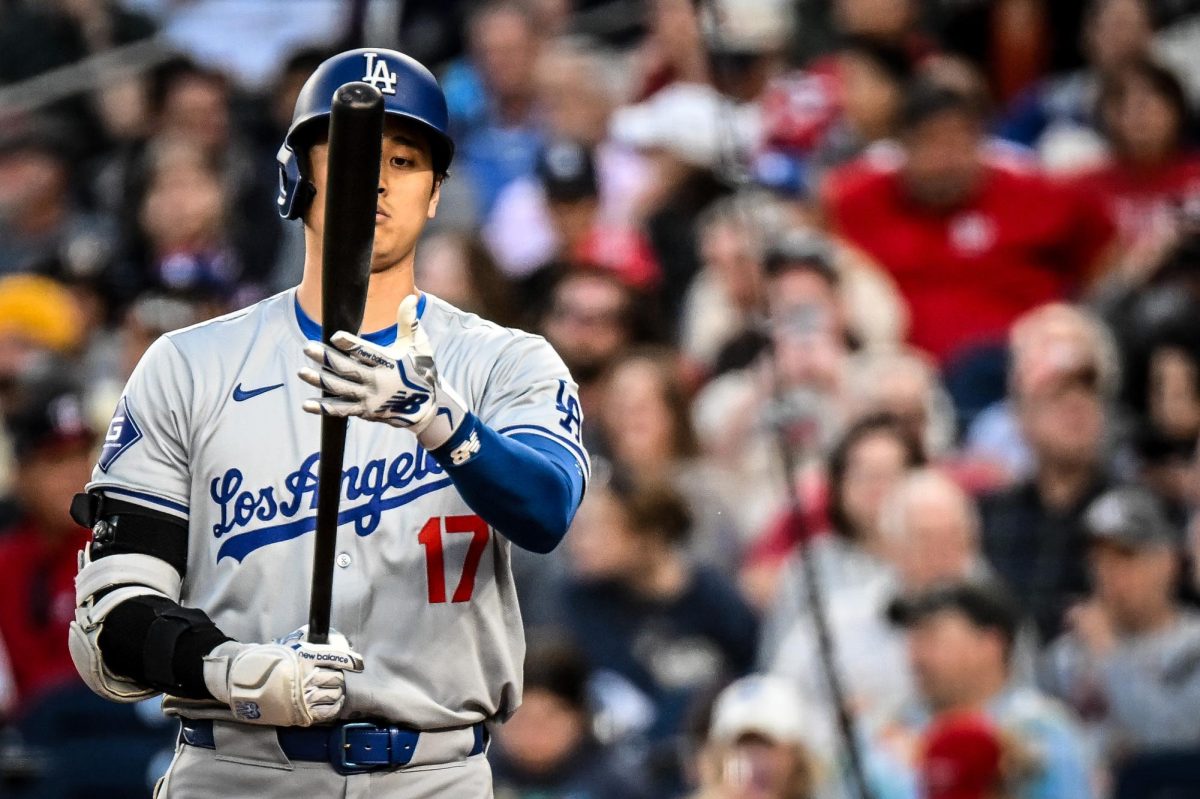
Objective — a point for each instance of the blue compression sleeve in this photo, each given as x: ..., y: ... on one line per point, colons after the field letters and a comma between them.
x: 526, y: 486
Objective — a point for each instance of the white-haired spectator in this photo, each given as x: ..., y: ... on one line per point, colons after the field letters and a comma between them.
x: 929, y: 531
x: 1047, y: 340
x: 1062, y: 379
x: 839, y: 532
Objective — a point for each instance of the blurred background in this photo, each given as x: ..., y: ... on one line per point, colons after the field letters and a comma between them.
x: 886, y: 320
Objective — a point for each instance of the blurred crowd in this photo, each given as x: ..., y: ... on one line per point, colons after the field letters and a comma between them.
x: 886, y: 320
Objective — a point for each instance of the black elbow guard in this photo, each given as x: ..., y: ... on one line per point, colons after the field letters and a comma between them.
x: 147, y: 638
x: 161, y: 644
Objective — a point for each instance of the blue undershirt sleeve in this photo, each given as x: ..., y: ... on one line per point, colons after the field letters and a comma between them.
x: 526, y: 486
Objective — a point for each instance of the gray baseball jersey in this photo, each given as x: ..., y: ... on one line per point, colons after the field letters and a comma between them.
x: 210, y: 429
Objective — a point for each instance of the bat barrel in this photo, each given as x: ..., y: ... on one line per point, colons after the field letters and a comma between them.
x: 351, y: 191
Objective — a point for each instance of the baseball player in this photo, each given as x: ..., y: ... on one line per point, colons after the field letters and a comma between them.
x: 464, y: 440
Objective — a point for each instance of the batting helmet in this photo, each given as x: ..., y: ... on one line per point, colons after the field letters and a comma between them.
x: 409, y: 91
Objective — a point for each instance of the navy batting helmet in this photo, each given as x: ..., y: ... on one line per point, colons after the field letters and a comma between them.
x: 409, y: 91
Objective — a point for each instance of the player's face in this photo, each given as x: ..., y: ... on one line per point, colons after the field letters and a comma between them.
x: 408, y: 192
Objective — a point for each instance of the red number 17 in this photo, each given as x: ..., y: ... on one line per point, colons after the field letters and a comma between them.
x: 430, y: 537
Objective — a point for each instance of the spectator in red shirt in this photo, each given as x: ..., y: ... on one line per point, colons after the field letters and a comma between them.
x: 53, y: 443
x: 972, y: 242
x: 1152, y: 170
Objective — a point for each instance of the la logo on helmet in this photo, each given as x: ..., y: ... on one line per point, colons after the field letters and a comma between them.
x: 378, y: 74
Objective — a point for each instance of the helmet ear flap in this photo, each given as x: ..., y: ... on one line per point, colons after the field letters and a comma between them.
x: 295, y: 190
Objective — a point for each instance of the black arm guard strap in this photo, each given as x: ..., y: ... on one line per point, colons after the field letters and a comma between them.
x: 120, y: 527
x: 161, y: 644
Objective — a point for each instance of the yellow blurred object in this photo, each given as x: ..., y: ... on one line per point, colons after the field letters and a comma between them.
x: 39, y: 310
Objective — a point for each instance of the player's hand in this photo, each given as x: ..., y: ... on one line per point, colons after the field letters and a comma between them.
x: 397, y: 384
x: 288, y: 683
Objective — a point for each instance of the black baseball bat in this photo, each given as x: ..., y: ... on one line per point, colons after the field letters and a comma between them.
x: 351, y: 193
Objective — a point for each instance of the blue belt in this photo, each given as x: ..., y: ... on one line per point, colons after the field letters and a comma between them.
x: 351, y: 747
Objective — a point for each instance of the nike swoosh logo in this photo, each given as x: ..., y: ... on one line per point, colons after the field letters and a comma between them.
x: 241, y: 396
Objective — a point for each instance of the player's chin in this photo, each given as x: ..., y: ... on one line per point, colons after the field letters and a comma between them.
x: 385, y: 260
x: 389, y: 249
x: 379, y: 265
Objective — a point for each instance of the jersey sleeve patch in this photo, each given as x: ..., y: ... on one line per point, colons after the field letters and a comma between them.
x: 123, y: 433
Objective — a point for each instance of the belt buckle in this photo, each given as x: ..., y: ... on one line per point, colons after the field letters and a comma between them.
x: 339, y: 748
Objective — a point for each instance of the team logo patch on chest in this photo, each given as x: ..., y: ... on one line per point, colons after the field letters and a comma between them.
x: 252, y: 518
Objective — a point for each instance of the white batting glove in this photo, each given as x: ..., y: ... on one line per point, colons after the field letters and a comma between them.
x: 288, y: 683
x: 397, y: 384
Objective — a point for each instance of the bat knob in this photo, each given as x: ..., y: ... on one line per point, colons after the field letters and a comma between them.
x: 358, y: 96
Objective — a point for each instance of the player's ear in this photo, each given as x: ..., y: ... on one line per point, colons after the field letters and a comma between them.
x: 435, y: 196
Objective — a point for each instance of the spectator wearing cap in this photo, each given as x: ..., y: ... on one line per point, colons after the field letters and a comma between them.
x: 53, y: 442
x: 576, y: 94
x: 972, y: 242
x: 962, y: 758
x: 41, y: 222
x: 805, y: 365
x: 761, y: 744
x: 38, y: 319
x: 961, y: 637
x: 1062, y: 379
x: 1129, y: 662
x: 548, y: 748
x: 746, y: 42
x: 566, y: 170
x: 745, y: 239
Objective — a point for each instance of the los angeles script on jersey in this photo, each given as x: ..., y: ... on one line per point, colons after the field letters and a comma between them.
x: 376, y: 487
